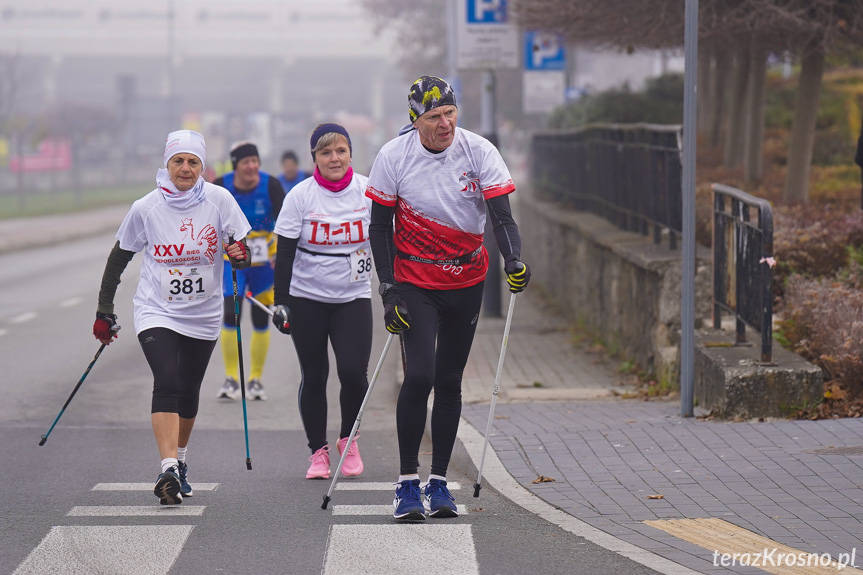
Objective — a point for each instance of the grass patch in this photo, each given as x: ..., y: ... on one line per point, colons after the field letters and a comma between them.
x: 30, y: 204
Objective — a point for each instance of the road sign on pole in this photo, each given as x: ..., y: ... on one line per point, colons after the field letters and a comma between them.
x: 544, y: 51
x: 486, y: 37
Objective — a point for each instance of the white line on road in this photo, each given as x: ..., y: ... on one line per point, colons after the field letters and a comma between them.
x: 134, y: 510
x: 377, y: 486
x: 26, y: 316
x: 441, y: 549
x: 496, y: 474
x: 70, y: 302
x: 146, y: 486
x: 380, y: 510
x: 140, y: 550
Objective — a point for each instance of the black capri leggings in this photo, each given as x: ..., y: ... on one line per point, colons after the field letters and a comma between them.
x: 437, y: 346
x: 178, y: 363
x: 348, y: 327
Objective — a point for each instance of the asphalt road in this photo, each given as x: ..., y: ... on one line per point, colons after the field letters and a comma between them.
x: 83, y: 502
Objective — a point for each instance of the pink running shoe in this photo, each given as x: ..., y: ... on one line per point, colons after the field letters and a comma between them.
x: 320, y: 467
x: 353, y: 464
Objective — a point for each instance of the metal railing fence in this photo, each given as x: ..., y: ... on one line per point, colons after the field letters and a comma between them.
x: 629, y: 174
x: 742, y: 262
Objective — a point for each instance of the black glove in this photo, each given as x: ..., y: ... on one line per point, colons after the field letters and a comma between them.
x: 396, y: 314
x: 105, y: 327
x: 282, y: 318
x: 517, y: 274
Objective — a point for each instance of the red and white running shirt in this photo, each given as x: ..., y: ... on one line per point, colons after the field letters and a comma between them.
x: 439, y: 205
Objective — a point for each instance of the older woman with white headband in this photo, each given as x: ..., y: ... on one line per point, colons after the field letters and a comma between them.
x: 182, y: 228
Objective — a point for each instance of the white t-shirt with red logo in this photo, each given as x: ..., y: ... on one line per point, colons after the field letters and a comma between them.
x: 333, y: 223
x: 180, y: 287
x: 439, y: 205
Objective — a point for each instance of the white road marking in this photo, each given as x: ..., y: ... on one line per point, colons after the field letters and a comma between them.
x: 147, y: 486
x: 378, y: 486
x: 384, y: 510
x: 131, y: 550
x: 134, y: 510
x: 26, y: 316
x: 442, y: 549
x: 70, y: 302
x: 494, y: 473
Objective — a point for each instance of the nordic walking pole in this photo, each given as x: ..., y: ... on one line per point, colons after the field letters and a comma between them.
x: 74, y: 391
x: 255, y: 301
x: 478, y: 485
x: 240, y: 352
x: 329, y: 494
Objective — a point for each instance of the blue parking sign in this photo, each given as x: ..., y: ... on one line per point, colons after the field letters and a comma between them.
x: 544, y: 51
x: 486, y: 11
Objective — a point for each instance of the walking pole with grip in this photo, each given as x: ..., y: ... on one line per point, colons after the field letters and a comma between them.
x: 74, y: 391
x: 478, y: 485
x: 255, y: 301
x: 240, y: 352
x: 329, y: 494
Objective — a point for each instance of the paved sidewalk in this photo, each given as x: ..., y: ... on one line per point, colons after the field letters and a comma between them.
x: 792, y: 483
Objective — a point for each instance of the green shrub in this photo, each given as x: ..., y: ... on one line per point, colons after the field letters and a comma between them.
x: 660, y: 102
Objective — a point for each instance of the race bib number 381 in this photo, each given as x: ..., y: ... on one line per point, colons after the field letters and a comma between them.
x: 187, y: 283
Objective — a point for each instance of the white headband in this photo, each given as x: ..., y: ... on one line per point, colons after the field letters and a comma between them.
x: 185, y: 142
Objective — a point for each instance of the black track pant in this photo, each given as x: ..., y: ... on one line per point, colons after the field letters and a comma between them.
x: 348, y: 327
x: 178, y: 363
x: 437, y: 346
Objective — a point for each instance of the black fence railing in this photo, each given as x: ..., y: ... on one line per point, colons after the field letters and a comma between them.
x: 629, y: 174
x: 742, y: 264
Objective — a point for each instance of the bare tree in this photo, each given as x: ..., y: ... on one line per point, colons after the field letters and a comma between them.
x: 808, y: 28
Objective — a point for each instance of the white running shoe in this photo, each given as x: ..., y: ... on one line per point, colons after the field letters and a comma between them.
x: 230, y: 389
x: 256, y: 390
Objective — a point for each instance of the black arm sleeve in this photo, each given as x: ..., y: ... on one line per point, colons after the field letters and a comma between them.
x: 381, y: 240
x: 118, y: 259
x: 277, y: 196
x: 286, y: 250
x: 505, y: 228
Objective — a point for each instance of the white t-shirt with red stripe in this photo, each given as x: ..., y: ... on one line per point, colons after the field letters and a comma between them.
x: 439, y: 205
x: 180, y: 287
x: 333, y: 223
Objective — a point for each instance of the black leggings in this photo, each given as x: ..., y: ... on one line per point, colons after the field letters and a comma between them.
x: 348, y: 326
x: 436, y: 346
x: 178, y: 363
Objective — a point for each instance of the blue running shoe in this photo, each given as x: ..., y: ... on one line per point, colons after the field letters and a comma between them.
x: 407, y: 502
x: 183, y: 471
x: 437, y: 499
x: 168, y: 487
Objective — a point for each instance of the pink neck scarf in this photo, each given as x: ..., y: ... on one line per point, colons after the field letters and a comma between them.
x: 334, y: 186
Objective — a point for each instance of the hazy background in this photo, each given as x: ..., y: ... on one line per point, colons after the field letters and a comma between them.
x: 89, y: 89
x: 117, y: 76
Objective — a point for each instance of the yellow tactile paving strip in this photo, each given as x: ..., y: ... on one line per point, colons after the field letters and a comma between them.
x: 731, y: 545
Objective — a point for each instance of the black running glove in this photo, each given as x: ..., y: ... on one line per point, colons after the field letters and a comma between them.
x: 517, y: 274
x: 282, y: 318
x: 396, y: 314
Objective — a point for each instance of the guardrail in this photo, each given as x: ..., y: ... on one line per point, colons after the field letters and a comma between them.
x: 742, y: 264
x: 629, y: 174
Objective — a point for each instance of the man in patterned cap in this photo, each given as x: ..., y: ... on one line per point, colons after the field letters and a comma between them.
x: 431, y: 188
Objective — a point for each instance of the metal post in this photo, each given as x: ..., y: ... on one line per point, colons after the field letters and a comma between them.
x: 687, y: 315
x: 488, y: 128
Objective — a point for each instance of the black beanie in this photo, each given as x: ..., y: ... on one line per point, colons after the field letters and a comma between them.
x: 242, y: 151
